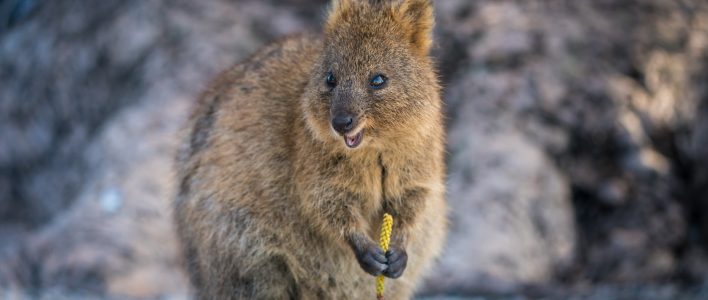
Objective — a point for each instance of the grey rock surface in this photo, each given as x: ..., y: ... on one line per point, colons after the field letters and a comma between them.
x: 511, y: 219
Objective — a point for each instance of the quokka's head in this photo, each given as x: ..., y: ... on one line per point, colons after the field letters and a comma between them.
x: 374, y: 82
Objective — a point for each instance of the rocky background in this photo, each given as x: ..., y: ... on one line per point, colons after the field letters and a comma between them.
x: 577, y: 141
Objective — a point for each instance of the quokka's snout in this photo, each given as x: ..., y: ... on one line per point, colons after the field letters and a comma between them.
x: 344, y: 122
x: 346, y: 125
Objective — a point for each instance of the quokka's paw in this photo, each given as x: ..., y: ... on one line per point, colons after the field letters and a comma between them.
x: 397, y: 259
x: 372, y: 259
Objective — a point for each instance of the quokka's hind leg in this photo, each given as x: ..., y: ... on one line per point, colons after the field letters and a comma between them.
x: 267, y: 279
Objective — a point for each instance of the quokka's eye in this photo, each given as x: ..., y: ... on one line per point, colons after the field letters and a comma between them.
x: 331, y: 80
x: 378, y: 81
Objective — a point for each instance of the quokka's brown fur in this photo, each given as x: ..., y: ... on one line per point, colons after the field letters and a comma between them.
x: 273, y: 204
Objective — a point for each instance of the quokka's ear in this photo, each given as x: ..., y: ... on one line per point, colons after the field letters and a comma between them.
x: 339, y: 11
x: 417, y: 20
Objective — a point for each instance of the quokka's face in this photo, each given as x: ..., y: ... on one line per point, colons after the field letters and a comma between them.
x: 369, y: 86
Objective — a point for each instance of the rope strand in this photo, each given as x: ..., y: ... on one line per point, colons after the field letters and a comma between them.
x: 384, y: 241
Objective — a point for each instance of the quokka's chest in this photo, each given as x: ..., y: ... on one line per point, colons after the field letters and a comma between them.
x: 377, y: 178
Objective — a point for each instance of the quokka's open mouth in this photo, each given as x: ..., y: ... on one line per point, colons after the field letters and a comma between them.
x: 353, y: 141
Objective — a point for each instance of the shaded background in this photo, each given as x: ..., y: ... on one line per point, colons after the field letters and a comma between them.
x: 577, y: 142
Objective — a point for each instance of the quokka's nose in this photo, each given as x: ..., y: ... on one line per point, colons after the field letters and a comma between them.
x: 343, y: 123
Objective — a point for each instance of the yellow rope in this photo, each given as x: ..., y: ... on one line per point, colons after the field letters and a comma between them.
x: 383, y: 242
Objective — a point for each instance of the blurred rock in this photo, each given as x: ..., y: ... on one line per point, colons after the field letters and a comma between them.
x: 512, y: 223
x: 116, y: 80
x: 612, y: 109
x: 69, y: 68
x: 128, y: 251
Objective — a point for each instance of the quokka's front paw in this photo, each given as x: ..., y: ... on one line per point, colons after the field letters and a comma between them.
x: 372, y: 259
x: 397, y: 259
